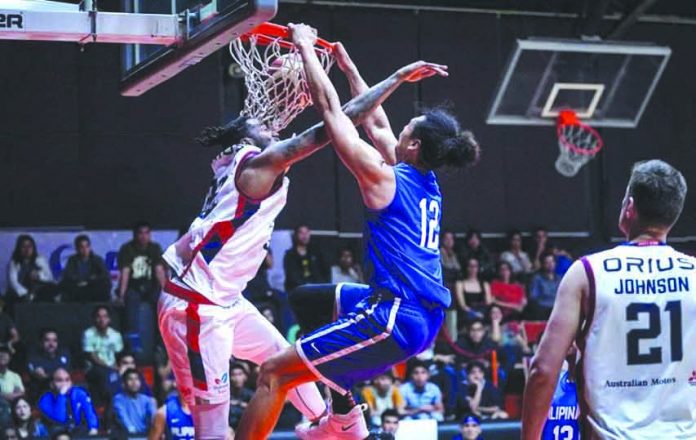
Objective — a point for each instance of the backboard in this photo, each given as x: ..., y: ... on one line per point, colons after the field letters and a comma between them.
x: 206, y: 26
x: 608, y: 84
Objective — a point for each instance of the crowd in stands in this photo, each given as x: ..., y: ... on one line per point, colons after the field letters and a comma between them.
x: 473, y: 372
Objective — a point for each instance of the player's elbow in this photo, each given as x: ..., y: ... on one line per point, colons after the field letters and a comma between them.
x: 540, y: 372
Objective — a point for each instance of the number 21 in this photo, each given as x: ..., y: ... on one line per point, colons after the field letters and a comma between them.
x: 429, y: 236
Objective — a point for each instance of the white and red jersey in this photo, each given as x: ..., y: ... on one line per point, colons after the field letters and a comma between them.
x: 638, y: 374
x: 227, y: 243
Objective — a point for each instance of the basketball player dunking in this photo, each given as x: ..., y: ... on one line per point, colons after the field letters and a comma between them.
x: 203, y: 317
x: 400, y: 312
x: 631, y: 309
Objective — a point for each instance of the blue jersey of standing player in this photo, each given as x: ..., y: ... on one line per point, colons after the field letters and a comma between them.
x: 179, y: 423
x: 402, y: 240
x: 562, y: 423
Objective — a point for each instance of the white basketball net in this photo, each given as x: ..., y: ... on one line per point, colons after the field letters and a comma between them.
x: 274, y: 76
x: 578, y: 144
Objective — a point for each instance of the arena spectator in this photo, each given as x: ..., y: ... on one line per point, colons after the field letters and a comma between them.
x: 10, y: 433
x: 382, y: 395
x: 133, y: 410
x: 11, y: 385
x: 509, y: 336
x: 85, y: 277
x: 451, y: 266
x: 541, y: 242
x: 563, y: 258
x: 346, y: 271
x: 5, y: 413
x: 481, y: 397
x: 9, y: 335
x: 469, y: 428
x: 100, y: 344
x: 423, y: 398
x: 142, y: 275
x: 29, y: 276
x: 542, y: 289
x: 301, y: 263
x: 240, y: 395
x: 473, y: 295
x: 173, y: 421
x: 389, y: 421
x: 66, y: 407
x: 46, y: 359
x: 518, y: 259
x: 507, y: 293
x: 475, y: 344
x: 474, y: 248
x: 124, y: 362
x: 26, y: 425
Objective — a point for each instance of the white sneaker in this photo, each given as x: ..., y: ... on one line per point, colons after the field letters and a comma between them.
x: 350, y: 426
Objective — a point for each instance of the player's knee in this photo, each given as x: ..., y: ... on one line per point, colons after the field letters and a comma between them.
x: 271, y: 377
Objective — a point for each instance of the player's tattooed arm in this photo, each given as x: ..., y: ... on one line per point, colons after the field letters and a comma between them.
x: 376, y: 123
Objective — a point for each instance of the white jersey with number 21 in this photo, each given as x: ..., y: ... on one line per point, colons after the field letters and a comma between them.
x: 639, y: 351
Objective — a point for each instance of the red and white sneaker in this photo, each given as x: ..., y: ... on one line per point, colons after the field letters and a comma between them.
x: 350, y: 426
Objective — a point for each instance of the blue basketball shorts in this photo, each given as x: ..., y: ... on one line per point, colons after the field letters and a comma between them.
x: 374, y: 331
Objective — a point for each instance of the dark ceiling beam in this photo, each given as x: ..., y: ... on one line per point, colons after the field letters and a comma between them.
x: 630, y: 19
x: 592, y: 16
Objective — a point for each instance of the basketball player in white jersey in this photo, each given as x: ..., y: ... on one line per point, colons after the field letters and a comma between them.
x: 203, y: 317
x: 632, y: 311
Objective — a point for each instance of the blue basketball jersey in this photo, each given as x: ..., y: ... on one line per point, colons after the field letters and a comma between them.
x: 402, y: 241
x: 179, y: 424
x: 562, y: 422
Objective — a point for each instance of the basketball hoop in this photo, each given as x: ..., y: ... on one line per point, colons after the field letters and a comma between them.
x: 274, y: 74
x: 578, y: 143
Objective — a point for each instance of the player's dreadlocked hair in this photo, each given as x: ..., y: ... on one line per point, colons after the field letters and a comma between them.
x: 443, y: 142
x: 224, y: 136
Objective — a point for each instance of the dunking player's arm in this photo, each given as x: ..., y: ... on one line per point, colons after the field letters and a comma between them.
x: 376, y: 123
x: 260, y: 173
x: 375, y: 177
x: 561, y: 330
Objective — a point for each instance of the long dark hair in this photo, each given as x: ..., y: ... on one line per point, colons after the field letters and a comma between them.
x: 226, y: 135
x: 31, y: 423
x: 17, y: 253
x: 443, y: 142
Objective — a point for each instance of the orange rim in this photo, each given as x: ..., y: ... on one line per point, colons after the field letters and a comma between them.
x: 568, y: 117
x: 267, y: 33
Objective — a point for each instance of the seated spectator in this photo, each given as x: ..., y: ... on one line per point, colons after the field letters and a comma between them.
x: 542, y: 290
x: 346, y: 271
x: 133, y: 410
x: 541, y: 240
x: 302, y: 263
x: 124, y: 362
x: 388, y: 426
x: 100, y: 344
x: 469, y: 428
x: 46, y: 359
x: 475, y: 345
x: 472, y: 293
x: 506, y: 293
x: 68, y: 408
x: 29, y: 275
x: 142, y: 276
x: 481, y: 397
x: 563, y: 258
x: 5, y: 413
x: 173, y: 420
x: 381, y: 396
x: 240, y: 395
x: 11, y: 385
x: 85, y: 278
x: 474, y: 248
x: 26, y: 425
x: 423, y: 399
x: 518, y: 259
x: 9, y: 336
x: 509, y: 337
x: 451, y: 274
x: 10, y: 433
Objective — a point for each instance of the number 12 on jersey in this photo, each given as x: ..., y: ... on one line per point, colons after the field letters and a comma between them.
x: 430, y: 222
